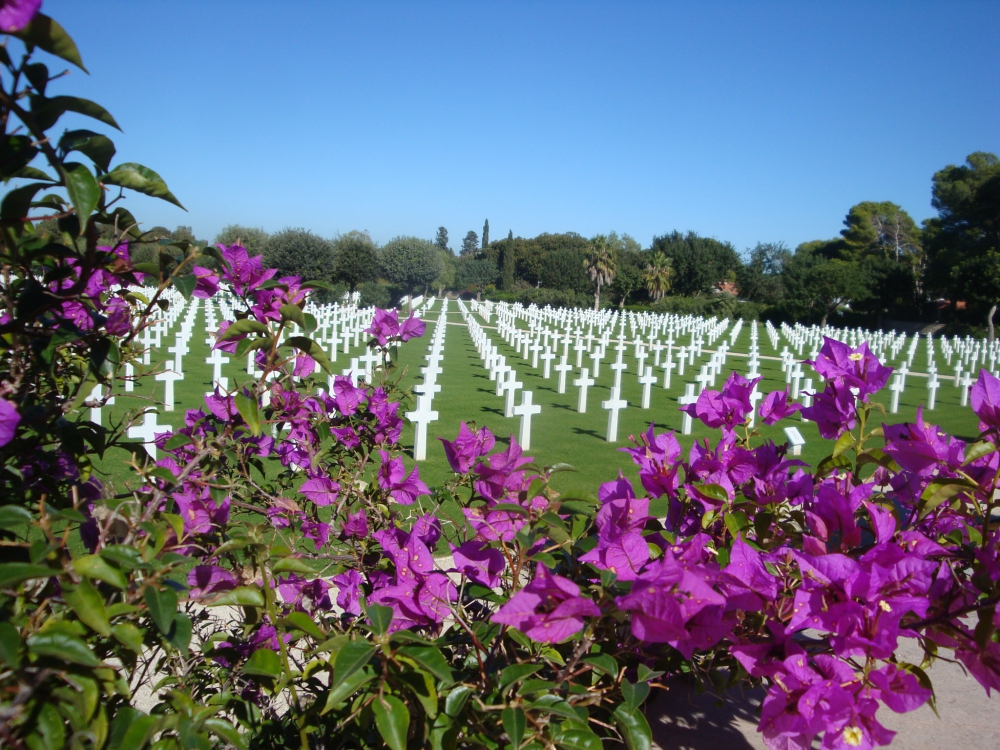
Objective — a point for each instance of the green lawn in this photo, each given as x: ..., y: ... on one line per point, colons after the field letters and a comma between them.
x: 559, y: 433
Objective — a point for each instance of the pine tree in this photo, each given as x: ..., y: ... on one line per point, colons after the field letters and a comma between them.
x: 442, y: 239
x: 470, y: 245
x: 486, y: 234
x: 507, y: 274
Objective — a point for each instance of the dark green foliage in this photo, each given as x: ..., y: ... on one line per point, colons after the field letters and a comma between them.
x: 817, y: 282
x: 721, y: 305
x: 759, y: 278
x: 470, y: 245
x: 411, y: 262
x: 543, y: 297
x: 355, y: 259
x: 627, y: 286
x: 252, y: 238
x: 300, y: 252
x: 699, y: 262
x: 563, y: 269
x: 374, y: 293
x: 475, y: 274
x: 486, y: 233
x: 509, y: 262
x: 441, y: 240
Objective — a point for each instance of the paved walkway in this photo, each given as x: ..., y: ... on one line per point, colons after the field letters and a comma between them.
x: 969, y: 719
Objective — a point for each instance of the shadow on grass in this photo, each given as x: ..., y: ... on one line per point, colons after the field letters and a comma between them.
x: 681, y: 719
x: 498, y: 412
x: 593, y: 433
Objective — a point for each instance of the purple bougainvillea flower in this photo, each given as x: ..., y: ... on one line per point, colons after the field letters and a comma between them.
x: 411, y: 328
x: 833, y: 411
x: 467, y: 447
x: 207, y: 283
x: 9, y: 420
x: 923, y: 448
x: 349, y: 591
x: 346, y: 395
x: 304, y: 594
x: 320, y: 490
x: 549, y: 609
x: 304, y: 366
x: 401, y: 487
x: 853, y: 368
x: 245, y: 273
x: 479, y: 562
x: 775, y: 407
x: 985, y: 401
x: 16, y: 14
x: 356, y: 525
x: 621, y: 547
x: 229, y: 345
x: 385, y: 325
x: 206, y: 580
x: 200, y: 513
x: 726, y: 408
x: 657, y: 457
x: 119, y: 316
x: 318, y: 531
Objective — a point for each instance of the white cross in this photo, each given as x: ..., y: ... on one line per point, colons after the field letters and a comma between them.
x: 966, y: 385
x: 510, y: 387
x: 687, y: 398
x: 702, y: 379
x: 147, y: 431
x: 807, y: 390
x: 179, y: 349
x: 583, y: 383
x: 422, y: 416
x: 595, y: 357
x: 755, y: 396
x: 668, y: 366
x: 614, y: 404
x: 681, y: 359
x: 896, y: 387
x: 647, y: 381
x: 502, y: 376
x: 932, y: 389
x: 147, y: 344
x: 217, y: 361
x: 168, y: 377
x: 369, y: 359
x: 618, y: 367
x: 797, y: 376
x: 547, y: 357
x: 129, y: 382
x: 352, y: 372
x: 95, y: 395
x: 562, y: 368
x: 526, y: 410
x: 535, y: 349
x: 427, y: 389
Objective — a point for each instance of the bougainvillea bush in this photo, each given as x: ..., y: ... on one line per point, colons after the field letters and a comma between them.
x: 281, y: 576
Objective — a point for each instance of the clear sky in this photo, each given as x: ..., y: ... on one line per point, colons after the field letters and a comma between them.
x: 751, y: 121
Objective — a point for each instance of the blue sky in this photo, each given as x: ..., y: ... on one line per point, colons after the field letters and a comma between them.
x: 754, y: 121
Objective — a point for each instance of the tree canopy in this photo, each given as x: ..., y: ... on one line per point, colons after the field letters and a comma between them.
x: 411, y: 262
x: 297, y: 251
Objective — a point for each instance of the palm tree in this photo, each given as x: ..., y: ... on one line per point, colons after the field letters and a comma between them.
x: 600, y: 265
x: 658, y: 275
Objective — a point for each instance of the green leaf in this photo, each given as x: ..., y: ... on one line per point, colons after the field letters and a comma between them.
x: 88, y: 605
x: 48, y: 35
x: 937, y: 492
x: 180, y: 632
x: 244, y: 596
x: 603, y: 663
x: 12, y: 517
x: 48, y: 110
x: 162, y: 606
x: 634, y: 694
x: 844, y: 442
x: 293, y: 313
x: 186, y: 284
x: 62, y: 646
x: 96, y: 567
x: 264, y: 663
x: 15, y: 155
x: 578, y: 739
x: 392, y: 719
x: 346, y: 688
x: 303, y: 622
x: 714, y: 491
x: 736, y: 522
x: 10, y: 645
x: 353, y: 656
x: 431, y: 659
x: 242, y: 328
x: 514, y: 724
x: 141, y: 179
x: 516, y: 672
x: 12, y: 574
x: 421, y: 684
x: 313, y: 349
x: 247, y: 407
x: 124, y: 555
x: 16, y: 202
x: 225, y: 730
x: 131, y: 729
x: 83, y: 191
x: 978, y: 450
x: 380, y: 618
x: 98, y: 147
x: 129, y: 636
x: 832, y: 463
x: 634, y: 729
x: 293, y: 565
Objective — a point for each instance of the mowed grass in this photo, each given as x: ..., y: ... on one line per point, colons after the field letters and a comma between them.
x: 560, y: 435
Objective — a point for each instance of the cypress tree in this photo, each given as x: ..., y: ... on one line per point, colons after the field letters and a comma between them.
x: 486, y: 234
x: 507, y: 274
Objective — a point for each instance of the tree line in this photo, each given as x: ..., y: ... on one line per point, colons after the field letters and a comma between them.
x: 882, y: 266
